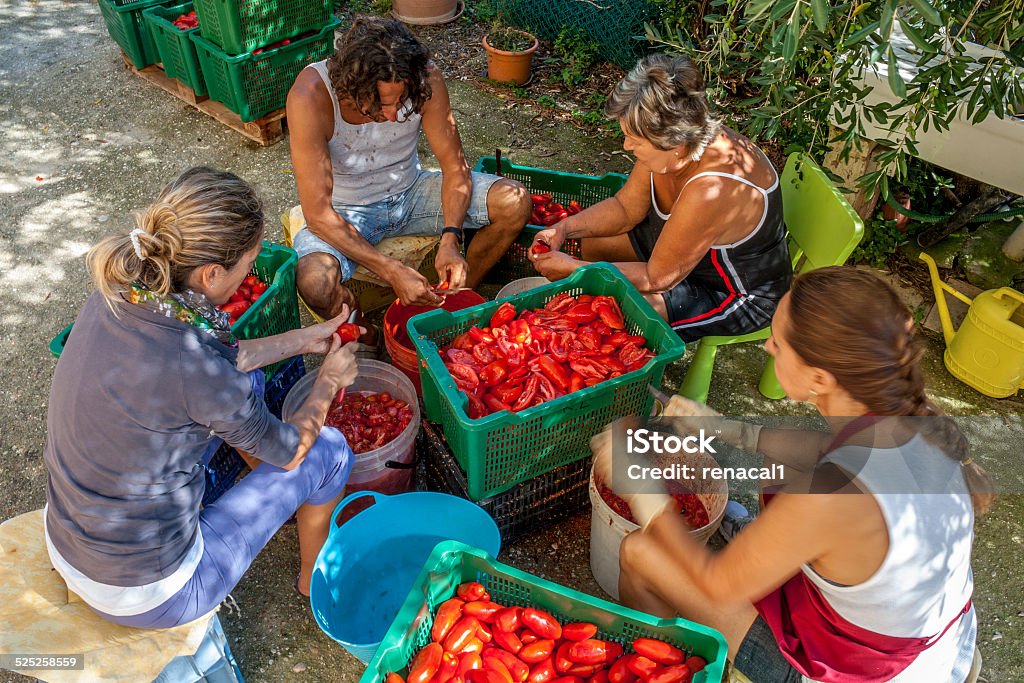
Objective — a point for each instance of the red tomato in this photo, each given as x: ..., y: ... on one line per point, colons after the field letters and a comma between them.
x: 470, y: 591
x: 425, y: 664
x: 349, y: 332
x: 448, y: 613
x: 503, y: 314
x: 579, y: 631
x: 460, y: 634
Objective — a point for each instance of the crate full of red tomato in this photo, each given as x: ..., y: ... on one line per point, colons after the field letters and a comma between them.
x: 520, y: 386
x: 469, y: 618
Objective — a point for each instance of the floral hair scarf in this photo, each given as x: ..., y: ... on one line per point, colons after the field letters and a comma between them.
x: 188, y: 307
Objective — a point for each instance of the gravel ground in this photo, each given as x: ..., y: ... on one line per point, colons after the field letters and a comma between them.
x: 87, y: 142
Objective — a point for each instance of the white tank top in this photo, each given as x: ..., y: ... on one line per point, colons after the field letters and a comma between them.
x: 925, y: 578
x: 371, y: 161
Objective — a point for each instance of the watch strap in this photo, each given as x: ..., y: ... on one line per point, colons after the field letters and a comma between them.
x: 460, y: 234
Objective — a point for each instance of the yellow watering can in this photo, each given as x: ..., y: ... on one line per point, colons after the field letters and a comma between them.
x: 987, y: 352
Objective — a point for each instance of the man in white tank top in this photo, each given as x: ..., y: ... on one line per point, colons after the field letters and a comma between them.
x: 354, y: 122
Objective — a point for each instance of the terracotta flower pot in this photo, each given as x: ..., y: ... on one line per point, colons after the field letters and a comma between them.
x: 425, y: 12
x: 891, y: 214
x: 504, y: 66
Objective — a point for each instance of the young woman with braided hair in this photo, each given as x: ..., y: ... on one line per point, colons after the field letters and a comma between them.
x: 830, y: 586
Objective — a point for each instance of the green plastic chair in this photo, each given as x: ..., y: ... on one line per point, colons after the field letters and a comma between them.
x: 822, y: 230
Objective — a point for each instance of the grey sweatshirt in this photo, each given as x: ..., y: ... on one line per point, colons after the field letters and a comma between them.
x: 135, y: 400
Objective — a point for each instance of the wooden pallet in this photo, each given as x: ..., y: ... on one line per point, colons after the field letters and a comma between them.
x: 265, y: 130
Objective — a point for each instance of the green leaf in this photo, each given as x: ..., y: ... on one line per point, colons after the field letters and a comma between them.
x: 820, y: 8
x: 899, y: 88
x: 926, y: 10
x: 885, y: 23
x: 755, y: 8
x: 792, y: 41
x: 917, y: 38
x: 781, y: 9
x: 858, y: 36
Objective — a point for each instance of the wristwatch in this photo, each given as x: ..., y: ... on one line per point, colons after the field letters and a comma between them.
x: 459, y: 233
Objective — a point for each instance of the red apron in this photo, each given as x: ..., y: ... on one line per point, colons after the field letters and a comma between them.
x: 824, y: 646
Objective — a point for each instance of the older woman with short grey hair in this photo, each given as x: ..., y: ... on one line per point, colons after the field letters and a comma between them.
x: 698, y: 225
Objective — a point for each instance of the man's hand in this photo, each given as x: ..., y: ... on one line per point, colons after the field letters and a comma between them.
x: 412, y: 288
x: 451, y: 266
x: 555, y: 265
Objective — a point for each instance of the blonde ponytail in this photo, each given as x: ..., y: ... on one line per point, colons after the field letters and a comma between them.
x: 202, y: 216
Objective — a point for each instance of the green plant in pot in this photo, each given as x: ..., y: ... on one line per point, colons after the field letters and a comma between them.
x: 509, y: 54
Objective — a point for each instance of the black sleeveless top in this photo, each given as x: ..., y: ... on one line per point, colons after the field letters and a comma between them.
x: 757, y: 265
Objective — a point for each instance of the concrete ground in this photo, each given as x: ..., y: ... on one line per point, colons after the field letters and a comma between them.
x: 86, y: 142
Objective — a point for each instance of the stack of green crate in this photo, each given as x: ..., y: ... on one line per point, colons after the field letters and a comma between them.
x: 126, y: 26
x: 176, y: 50
x: 250, y: 51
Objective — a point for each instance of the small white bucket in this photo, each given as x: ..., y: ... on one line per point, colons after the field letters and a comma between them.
x: 608, y: 529
x: 521, y: 285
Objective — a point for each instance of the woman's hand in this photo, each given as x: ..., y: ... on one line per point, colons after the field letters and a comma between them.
x: 646, y: 497
x: 318, y: 338
x: 554, y: 236
x: 555, y: 265
x: 339, y: 366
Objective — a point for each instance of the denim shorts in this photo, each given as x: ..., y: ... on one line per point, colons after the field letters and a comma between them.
x: 416, y: 211
x: 760, y: 659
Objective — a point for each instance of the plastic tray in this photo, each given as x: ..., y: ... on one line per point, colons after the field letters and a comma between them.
x: 563, y: 188
x: 221, y: 472
x: 524, y: 508
x: 452, y: 563
x: 502, y: 449
x: 239, y: 26
x: 281, y: 383
x: 126, y: 26
x: 176, y: 51
x: 253, y: 85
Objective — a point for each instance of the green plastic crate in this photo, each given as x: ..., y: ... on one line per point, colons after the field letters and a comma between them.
x: 126, y: 26
x: 276, y: 311
x: 563, y: 188
x: 452, y: 563
x: 504, y: 448
x: 177, y: 52
x: 240, y: 26
x: 253, y: 85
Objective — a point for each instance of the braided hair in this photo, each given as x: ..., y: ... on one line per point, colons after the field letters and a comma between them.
x: 375, y: 49
x: 853, y: 325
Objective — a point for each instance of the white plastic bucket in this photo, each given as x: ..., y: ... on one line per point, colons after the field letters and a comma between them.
x: 521, y: 285
x: 608, y: 529
x: 387, y: 469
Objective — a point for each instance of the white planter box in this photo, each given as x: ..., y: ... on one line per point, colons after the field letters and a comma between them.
x: 991, y: 151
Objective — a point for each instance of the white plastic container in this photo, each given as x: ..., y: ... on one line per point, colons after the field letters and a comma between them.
x: 608, y: 528
x: 521, y: 285
x: 387, y: 469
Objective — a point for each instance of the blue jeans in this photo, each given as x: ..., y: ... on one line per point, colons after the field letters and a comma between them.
x: 416, y: 211
x: 760, y: 659
x: 237, y: 526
